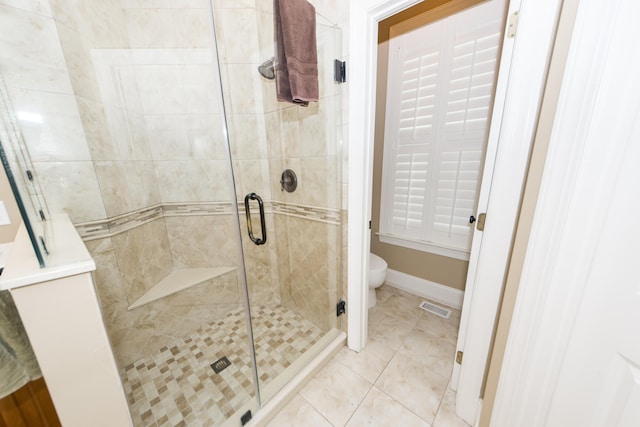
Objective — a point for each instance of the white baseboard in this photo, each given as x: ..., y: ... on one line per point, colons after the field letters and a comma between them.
x: 425, y: 288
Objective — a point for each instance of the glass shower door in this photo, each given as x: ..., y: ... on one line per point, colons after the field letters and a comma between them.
x: 291, y: 234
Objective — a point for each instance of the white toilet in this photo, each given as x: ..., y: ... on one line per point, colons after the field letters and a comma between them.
x: 377, y: 275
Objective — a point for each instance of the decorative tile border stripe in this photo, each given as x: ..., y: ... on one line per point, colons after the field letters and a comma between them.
x: 118, y: 224
x: 331, y: 216
x: 113, y: 226
x: 185, y: 209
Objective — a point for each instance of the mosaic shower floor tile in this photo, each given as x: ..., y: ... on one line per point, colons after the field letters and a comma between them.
x: 178, y: 387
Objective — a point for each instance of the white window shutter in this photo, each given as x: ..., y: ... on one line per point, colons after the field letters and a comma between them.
x: 440, y: 91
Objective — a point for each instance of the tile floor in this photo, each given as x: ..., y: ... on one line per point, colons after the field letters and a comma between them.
x: 177, y: 386
x: 400, y: 379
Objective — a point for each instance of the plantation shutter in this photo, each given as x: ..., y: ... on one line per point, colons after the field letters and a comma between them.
x: 440, y: 91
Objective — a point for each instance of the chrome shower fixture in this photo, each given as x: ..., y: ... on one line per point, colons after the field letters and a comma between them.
x: 266, y: 69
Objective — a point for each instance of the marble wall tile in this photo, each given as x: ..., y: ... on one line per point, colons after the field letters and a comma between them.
x: 31, y: 55
x: 144, y: 257
x: 204, y: 135
x: 203, y: 241
x: 283, y: 133
x: 139, y: 145
x: 252, y: 176
x: 177, y: 181
x: 201, y: 88
x: 41, y: 7
x: 96, y: 129
x: 238, y: 33
x: 108, y: 281
x: 214, y: 182
x: 113, y: 185
x: 318, y: 128
x: 327, y: 9
x: 319, y: 181
x: 192, y: 27
x: 71, y: 188
x: 51, y: 126
x: 247, y: 136
x: 127, y: 185
x: 261, y: 262
x: 245, y: 89
x: 106, y: 24
x: 146, y: 4
x: 269, y: 97
x: 161, y: 89
x: 207, y: 137
x: 265, y: 28
x: 328, y: 45
x: 235, y: 4
x: 309, y: 272
x: 148, y: 28
x: 142, y: 184
x: 101, y: 22
x: 77, y: 54
x: 170, y: 144
x: 190, y: 4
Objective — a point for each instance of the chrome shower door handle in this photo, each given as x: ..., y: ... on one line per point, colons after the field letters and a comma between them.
x: 247, y: 210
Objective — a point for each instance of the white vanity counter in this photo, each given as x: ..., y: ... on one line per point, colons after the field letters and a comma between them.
x: 69, y: 256
x: 60, y: 311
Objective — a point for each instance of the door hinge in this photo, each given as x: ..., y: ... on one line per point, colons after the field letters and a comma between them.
x: 513, y: 25
x: 339, y: 71
x: 481, y: 220
x: 341, y: 308
x: 459, y: 358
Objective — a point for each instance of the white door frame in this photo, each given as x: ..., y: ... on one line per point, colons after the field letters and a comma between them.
x: 594, y: 126
x: 525, y: 87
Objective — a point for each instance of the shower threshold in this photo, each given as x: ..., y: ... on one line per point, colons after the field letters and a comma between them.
x: 178, y: 280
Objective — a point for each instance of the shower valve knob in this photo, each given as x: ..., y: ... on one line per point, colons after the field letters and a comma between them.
x: 289, y: 181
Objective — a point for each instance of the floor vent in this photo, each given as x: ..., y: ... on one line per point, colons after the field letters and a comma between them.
x: 432, y: 308
x: 220, y: 364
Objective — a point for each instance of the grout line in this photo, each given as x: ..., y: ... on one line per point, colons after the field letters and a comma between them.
x: 359, y: 404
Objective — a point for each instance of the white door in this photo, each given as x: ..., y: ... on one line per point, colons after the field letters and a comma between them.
x: 573, y: 354
x: 518, y: 95
x: 599, y: 383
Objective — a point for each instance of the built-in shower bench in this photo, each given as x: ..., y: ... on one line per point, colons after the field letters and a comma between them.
x: 178, y: 280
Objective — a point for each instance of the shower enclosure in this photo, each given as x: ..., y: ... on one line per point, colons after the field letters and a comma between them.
x: 150, y: 125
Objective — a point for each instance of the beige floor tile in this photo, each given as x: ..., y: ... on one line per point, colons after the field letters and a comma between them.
x: 388, y: 330
x: 446, y: 329
x: 368, y: 363
x: 378, y: 409
x: 413, y: 385
x: 434, y: 353
x: 384, y: 292
x: 446, y: 416
x: 336, y: 391
x: 402, y: 307
x: 299, y: 412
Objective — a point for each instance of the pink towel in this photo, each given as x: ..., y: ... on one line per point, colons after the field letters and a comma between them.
x: 296, y: 52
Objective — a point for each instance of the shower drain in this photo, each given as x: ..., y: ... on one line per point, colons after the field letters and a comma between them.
x: 220, y: 364
x: 437, y: 310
